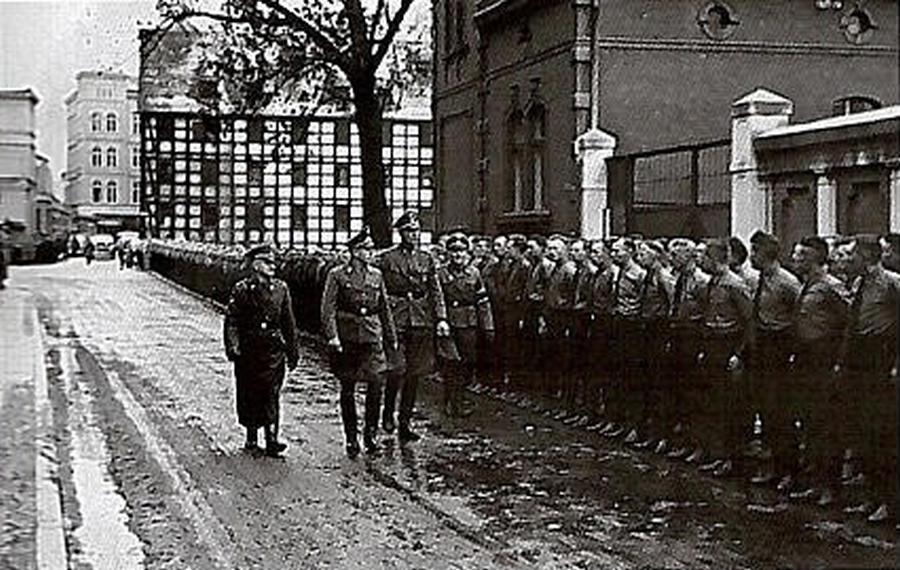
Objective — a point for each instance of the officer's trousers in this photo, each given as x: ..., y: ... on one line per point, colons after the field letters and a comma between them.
x: 773, y: 391
x: 374, y: 388
x: 413, y: 361
x: 723, y: 427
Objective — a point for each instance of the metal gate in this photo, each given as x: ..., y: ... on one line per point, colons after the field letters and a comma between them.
x: 676, y: 191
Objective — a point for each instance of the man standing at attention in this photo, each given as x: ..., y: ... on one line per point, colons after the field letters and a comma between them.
x: 357, y: 321
x: 417, y: 304
x: 260, y: 338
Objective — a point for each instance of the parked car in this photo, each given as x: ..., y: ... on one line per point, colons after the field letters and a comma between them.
x: 103, y: 246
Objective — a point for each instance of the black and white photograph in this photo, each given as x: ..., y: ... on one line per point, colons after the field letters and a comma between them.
x: 449, y: 284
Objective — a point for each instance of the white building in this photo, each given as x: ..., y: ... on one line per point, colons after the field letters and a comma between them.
x: 103, y: 133
x: 18, y: 156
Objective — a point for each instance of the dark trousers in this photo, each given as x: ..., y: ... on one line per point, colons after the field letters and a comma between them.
x: 654, y: 406
x: 576, y: 387
x: 871, y: 399
x: 533, y: 348
x: 512, y: 344
x: 680, y: 380
x: 626, y: 390
x: 416, y: 351
x: 814, y: 401
x: 774, y: 391
x: 724, y: 425
x: 348, y: 407
x: 557, y: 350
x: 598, y: 356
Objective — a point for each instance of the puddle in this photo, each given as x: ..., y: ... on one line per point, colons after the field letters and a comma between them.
x: 105, y: 539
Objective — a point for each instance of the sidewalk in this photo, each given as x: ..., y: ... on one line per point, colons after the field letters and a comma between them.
x: 32, y: 530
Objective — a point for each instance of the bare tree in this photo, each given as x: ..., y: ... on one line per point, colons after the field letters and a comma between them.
x: 315, y: 50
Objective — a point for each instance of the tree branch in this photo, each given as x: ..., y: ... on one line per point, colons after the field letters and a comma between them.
x: 323, y: 42
x: 384, y: 44
x: 380, y: 10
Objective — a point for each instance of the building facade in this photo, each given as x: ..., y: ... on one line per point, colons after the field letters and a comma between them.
x: 296, y: 181
x: 103, y: 159
x: 519, y: 83
x: 18, y: 156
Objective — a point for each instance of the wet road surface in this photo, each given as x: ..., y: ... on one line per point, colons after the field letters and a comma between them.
x: 152, y: 474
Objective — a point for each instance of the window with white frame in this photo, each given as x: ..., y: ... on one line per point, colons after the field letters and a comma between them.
x: 135, y: 122
x: 112, y: 157
x: 96, y: 157
x: 96, y: 191
x: 135, y: 191
x: 112, y: 122
x: 135, y: 157
x: 112, y: 192
x: 96, y: 122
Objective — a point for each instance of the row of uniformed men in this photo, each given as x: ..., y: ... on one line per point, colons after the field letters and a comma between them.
x: 650, y: 334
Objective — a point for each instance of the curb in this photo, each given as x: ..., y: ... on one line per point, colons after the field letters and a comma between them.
x: 50, y: 541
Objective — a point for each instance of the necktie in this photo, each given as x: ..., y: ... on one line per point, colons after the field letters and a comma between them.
x: 679, y: 293
x: 757, y: 297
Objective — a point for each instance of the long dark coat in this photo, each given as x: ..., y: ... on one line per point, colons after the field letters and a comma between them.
x: 260, y: 338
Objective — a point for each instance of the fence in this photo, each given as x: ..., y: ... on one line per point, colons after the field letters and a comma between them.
x: 294, y: 180
x: 683, y: 190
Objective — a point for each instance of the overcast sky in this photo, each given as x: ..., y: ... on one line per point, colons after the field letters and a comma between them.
x: 45, y: 43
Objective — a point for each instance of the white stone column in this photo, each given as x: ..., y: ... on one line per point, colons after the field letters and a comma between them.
x: 826, y: 204
x: 894, y: 204
x: 592, y: 149
x: 751, y: 115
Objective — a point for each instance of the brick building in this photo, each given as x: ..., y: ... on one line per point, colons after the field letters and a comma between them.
x: 517, y: 82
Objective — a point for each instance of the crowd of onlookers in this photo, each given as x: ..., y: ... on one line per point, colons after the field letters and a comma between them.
x: 774, y: 365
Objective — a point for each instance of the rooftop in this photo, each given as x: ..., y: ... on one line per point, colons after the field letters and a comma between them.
x: 885, y: 114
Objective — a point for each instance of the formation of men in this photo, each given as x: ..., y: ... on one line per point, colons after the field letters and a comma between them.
x: 781, y: 375
x: 785, y: 377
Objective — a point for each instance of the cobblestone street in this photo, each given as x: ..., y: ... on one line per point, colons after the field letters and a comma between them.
x: 151, y: 472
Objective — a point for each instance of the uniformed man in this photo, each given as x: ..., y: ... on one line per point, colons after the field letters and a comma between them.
x: 657, y: 299
x: 357, y: 322
x: 685, y: 331
x: 534, y: 326
x: 417, y: 303
x: 470, y: 316
x: 819, y: 324
x: 515, y: 299
x: 580, y: 326
x: 494, y: 274
x: 602, y: 290
x: 260, y: 338
x: 559, y: 298
x: 628, y: 351
x: 774, y: 303
x: 870, y: 362
x: 727, y: 332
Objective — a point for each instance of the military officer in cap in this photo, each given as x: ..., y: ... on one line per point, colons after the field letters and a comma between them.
x: 417, y: 304
x: 260, y: 338
x: 469, y: 313
x: 357, y: 322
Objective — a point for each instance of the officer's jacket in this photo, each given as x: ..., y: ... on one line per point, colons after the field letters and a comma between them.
x: 560, y: 292
x: 468, y: 304
x: 603, y: 290
x: 688, y: 297
x: 538, y: 279
x: 584, y: 277
x: 259, y: 320
x: 355, y: 306
x: 516, y: 287
x: 414, y: 293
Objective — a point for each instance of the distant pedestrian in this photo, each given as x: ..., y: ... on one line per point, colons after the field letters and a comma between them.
x: 88, y: 251
x: 260, y: 338
x: 357, y: 323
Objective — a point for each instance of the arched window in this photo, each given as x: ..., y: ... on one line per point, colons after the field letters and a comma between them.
x: 854, y: 104
x: 96, y: 122
x: 112, y: 192
x: 112, y: 157
x: 96, y: 157
x: 536, y: 119
x: 112, y: 122
x: 516, y: 152
x: 96, y: 191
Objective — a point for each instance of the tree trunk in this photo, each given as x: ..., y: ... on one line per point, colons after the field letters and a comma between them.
x: 369, y: 122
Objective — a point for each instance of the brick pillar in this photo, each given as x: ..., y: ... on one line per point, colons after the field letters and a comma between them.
x: 751, y: 115
x: 826, y: 204
x: 592, y: 149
